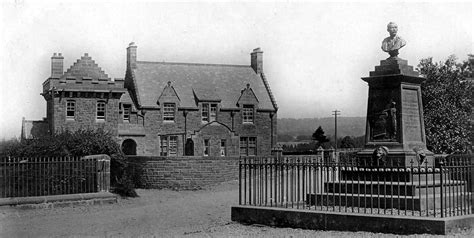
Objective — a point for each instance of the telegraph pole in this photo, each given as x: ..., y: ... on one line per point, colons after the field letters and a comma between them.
x: 335, y: 113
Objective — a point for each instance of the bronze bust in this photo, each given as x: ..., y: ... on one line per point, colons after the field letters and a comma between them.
x: 393, y: 43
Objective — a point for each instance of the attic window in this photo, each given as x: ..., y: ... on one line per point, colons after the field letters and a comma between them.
x: 168, y: 112
x: 209, y: 112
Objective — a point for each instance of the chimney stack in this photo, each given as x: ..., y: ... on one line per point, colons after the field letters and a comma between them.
x: 57, y: 65
x: 132, y: 56
x: 256, y: 60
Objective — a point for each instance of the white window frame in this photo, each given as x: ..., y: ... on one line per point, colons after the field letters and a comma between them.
x: 205, y: 112
x: 70, y: 107
x: 223, y: 147
x: 169, y: 112
x: 248, y: 113
x: 169, y: 145
x: 208, y: 112
x: 212, y: 112
x: 101, y: 108
x: 127, y: 111
x: 248, y: 146
x: 207, y: 147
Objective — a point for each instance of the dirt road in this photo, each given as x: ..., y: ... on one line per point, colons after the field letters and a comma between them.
x: 156, y: 213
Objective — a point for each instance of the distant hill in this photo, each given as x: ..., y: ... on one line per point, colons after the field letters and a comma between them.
x: 346, y: 126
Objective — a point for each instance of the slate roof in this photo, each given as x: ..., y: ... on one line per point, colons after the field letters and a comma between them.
x: 203, y: 82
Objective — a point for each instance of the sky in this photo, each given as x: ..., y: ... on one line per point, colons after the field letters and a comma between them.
x: 314, y: 53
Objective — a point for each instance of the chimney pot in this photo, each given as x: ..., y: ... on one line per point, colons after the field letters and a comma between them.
x: 57, y: 65
x: 256, y: 60
x: 132, y: 56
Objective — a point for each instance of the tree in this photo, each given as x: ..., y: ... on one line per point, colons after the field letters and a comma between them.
x: 347, y: 142
x: 447, y: 104
x: 319, y: 136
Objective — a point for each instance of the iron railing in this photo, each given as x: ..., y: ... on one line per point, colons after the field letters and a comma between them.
x: 25, y: 177
x: 306, y: 182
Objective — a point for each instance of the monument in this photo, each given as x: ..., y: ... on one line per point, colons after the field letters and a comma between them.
x: 395, y: 110
x: 395, y: 160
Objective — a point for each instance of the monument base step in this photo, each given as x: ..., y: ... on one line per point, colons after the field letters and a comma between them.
x: 416, y: 203
x: 395, y: 188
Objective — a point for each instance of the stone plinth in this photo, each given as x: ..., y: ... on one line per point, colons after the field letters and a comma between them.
x: 395, y: 113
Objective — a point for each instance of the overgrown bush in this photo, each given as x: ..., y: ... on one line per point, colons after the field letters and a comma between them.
x: 78, y: 143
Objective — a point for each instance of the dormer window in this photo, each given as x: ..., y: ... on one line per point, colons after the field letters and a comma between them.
x: 169, y: 112
x: 209, y: 112
x: 247, y: 113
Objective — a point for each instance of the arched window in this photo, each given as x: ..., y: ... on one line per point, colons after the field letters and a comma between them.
x: 129, y: 147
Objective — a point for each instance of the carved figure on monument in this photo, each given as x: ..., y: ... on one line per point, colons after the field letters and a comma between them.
x: 393, y: 43
x: 379, y: 156
x: 392, y: 125
x: 385, y: 123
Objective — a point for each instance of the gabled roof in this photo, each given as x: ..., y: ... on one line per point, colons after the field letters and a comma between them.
x: 247, y: 96
x: 87, y: 68
x: 168, y: 94
x: 199, y: 82
x: 126, y: 99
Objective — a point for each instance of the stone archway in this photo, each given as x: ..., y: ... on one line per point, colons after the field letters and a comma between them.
x: 129, y: 147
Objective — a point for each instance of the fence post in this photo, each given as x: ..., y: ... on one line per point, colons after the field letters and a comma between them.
x: 103, y: 174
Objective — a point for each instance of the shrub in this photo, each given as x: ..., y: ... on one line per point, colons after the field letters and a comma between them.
x: 78, y: 143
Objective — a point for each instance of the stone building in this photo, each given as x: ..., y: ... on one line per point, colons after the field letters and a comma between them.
x: 165, y: 109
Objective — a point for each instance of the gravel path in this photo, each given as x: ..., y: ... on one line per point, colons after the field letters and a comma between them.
x: 156, y: 213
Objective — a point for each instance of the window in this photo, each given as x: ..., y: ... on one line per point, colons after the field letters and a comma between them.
x: 209, y: 112
x: 248, y: 146
x: 100, y: 111
x: 168, y: 111
x: 252, y: 147
x: 127, y: 108
x: 168, y: 145
x: 70, y: 109
x: 223, y: 148
x: 205, y: 112
x: 164, y: 145
x: 247, y: 114
x: 206, y: 147
x: 173, y: 146
x: 213, y: 115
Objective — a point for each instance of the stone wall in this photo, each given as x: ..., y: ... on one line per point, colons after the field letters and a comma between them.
x: 85, y: 114
x: 153, y: 127
x: 191, y: 172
